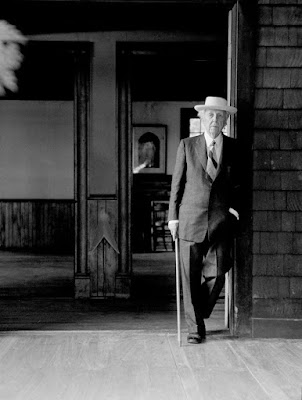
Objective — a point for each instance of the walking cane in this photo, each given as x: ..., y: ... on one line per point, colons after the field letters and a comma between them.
x: 177, y: 290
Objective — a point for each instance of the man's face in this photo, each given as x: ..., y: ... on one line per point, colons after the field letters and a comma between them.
x: 214, y: 121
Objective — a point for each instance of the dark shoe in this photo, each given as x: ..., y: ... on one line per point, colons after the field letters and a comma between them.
x: 194, y: 338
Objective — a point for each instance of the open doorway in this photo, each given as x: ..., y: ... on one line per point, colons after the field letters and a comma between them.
x: 166, y: 81
x: 37, y: 184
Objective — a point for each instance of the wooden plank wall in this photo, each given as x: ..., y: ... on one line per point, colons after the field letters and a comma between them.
x: 277, y: 170
x: 37, y: 224
x: 103, y: 260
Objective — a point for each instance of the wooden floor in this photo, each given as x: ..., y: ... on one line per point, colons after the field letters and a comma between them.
x: 28, y: 274
x: 131, y: 365
x: 58, y: 348
x: 36, y: 294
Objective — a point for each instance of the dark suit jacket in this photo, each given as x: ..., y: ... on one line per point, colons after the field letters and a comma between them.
x: 200, y: 205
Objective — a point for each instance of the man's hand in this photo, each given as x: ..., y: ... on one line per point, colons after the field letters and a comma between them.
x: 234, y: 212
x: 173, y: 226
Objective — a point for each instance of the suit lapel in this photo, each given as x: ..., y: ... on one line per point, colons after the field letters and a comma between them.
x: 223, y: 157
x: 201, y: 151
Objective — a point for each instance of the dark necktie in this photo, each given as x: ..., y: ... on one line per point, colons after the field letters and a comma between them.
x: 212, y: 161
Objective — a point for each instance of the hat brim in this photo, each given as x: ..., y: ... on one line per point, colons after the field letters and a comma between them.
x: 229, y: 109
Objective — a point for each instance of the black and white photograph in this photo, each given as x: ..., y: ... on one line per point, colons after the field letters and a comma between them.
x: 150, y: 200
x: 149, y: 149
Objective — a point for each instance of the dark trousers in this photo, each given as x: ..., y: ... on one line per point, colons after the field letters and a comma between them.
x: 201, y: 286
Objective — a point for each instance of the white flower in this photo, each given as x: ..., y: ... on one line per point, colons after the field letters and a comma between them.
x: 10, y: 55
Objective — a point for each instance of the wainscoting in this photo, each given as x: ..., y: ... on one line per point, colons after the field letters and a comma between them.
x: 37, y: 224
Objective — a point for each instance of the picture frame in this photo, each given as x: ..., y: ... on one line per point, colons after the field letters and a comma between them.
x: 190, y: 124
x: 149, y: 148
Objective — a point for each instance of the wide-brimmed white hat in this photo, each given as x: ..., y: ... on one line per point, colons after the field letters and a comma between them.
x: 216, y: 103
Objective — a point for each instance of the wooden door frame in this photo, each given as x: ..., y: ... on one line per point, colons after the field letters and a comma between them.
x: 242, y: 93
x: 82, y: 55
x: 125, y: 52
x: 243, y: 16
x: 80, y: 64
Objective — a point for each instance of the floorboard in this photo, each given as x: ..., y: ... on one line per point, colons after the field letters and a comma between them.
x: 132, y: 365
x: 53, y: 347
x: 36, y: 294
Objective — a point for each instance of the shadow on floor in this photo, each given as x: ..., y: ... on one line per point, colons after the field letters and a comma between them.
x: 37, y: 294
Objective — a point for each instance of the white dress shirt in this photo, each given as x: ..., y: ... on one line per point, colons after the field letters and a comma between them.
x: 218, y: 144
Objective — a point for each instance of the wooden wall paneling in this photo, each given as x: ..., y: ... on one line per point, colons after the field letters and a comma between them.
x: 30, y: 224
x: 40, y: 219
x: 31, y: 227
x: 52, y: 219
x: 68, y: 217
x: 15, y: 234
x: 62, y: 227
x: 101, y: 263
x: 13, y: 238
x: 34, y: 224
x: 4, y: 209
x: 10, y: 224
x: 21, y: 223
x: 52, y: 224
x: 49, y: 235
x: 72, y: 232
x: 25, y: 216
x: 103, y: 260
x: 24, y: 223
x: 2, y: 225
x: 71, y: 226
x: 45, y: 224
x: 111, y: 257
x: 37, y: 217
x: 56, y: 216
x: 101, y: 270
x: 17, y: 227
x: 42, y: 225
x: 37, y: 224
x: 92, y: 255
x: 6, y: 223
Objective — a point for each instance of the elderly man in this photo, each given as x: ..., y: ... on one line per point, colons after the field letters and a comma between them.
x: 203, y: 212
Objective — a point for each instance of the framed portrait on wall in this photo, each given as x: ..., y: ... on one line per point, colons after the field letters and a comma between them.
x: 149, y: 149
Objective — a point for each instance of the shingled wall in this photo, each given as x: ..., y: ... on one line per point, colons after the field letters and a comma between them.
x: 277, y: 171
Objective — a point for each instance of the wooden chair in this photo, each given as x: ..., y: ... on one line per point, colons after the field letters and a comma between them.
x: 160, y: 234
